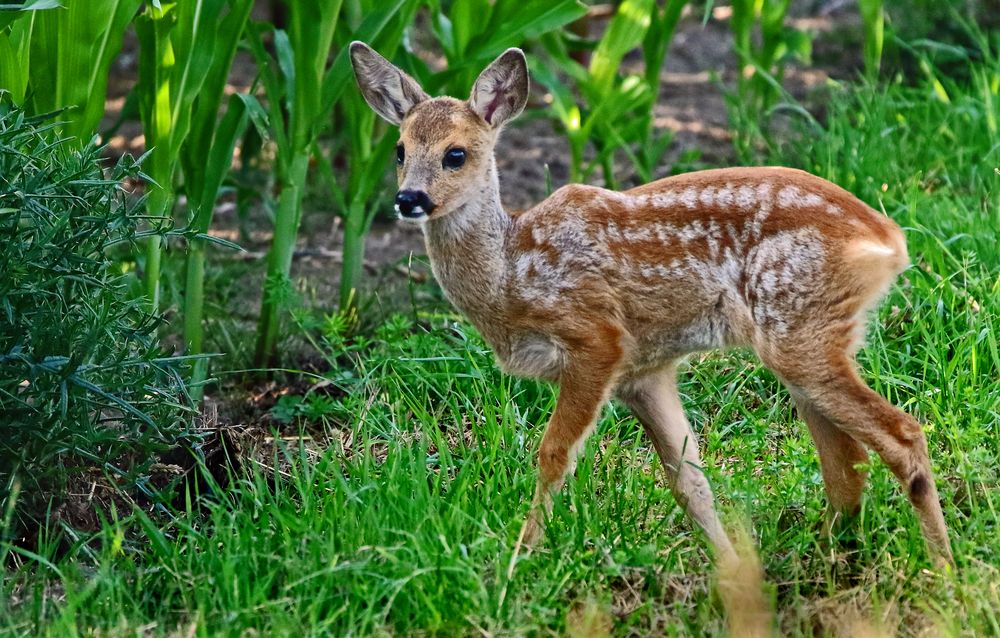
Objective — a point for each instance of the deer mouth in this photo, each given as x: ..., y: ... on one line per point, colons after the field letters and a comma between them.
x: 415, y: 214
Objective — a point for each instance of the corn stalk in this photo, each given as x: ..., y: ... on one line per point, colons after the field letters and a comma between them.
x: 181, y: 44
x: 298, y: 105
x: 367, y: 145
x: 761, y: 63
x: 873, y: 16
x: 205, y: 159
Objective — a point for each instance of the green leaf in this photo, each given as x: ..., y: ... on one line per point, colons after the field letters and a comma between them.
x: 15, y: 57
x: 10, y: 13
x: 228, y: 29
x: 219, y: 159
x: 511, y: 23
x: 340, y: 74
x: 626, y: 32
x: 71, y: 53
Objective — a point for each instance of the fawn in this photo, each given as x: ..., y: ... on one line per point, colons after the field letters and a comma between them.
x: 604, y: 292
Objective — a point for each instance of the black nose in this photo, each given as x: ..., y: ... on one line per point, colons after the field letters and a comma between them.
x: 413, y: 203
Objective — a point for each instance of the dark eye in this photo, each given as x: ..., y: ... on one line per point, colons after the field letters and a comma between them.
x: 454, y: 158
x: 400, y: 154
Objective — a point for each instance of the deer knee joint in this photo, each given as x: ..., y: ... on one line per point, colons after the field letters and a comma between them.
x: 919, y: 486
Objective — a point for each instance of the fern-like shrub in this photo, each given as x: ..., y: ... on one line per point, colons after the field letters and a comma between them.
x: 83, y: 384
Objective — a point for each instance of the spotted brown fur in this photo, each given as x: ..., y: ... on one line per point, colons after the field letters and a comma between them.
x: 604, y: 292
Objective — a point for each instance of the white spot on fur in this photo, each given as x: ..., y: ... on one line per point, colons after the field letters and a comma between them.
x: 765, y: 204
x: 659, y: 272
x: 745, y: 197
x: 724, y: 197
x: 614, y: 233
x: 538, y: 234
x: 707, y: 196
x: 637, y: 233
x: 689, y: 197
x: 693, y: 231
x: 794, y: 197
x: 664, y: 232
x: 665, y: 199
x: 712, y: 235
x: 833, y: 209
x: 784, y: 272
x: 764, y: 193
x: 532, y: 259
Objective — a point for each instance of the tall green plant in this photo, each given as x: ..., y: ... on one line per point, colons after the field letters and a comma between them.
x: 58, y: 58
x: 365, y: 146
x: 608, y: 109
x: 16, y: 24
x: 873, y: 16
x: 472, y: 33
x: 181, y: 44
x: 761, y: 61
x: 205, y: 159
x: 294, y: 78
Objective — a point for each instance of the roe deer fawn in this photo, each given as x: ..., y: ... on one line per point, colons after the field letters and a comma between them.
x: 603, y: 292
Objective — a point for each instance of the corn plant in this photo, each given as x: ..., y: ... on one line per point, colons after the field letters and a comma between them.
x: 472, y: 33
x: 873, y: 17
x: 761, y: 61
x: 56, y: 55
x: 293, y: 79
x: 651, y: 147
x: 612, y: 111
x: 365, y: 146
x: 16, y: 24
x: 181, y: 45
x: 205, y: 159
x: 296, y: 124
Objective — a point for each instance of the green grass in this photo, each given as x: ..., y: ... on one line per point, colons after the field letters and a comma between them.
x: 399, y: 516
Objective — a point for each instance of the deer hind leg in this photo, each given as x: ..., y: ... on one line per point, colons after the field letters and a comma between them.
x: 833, y: 387
x: 839, y: 456
x: 584, y: 387
x: 655, y: 403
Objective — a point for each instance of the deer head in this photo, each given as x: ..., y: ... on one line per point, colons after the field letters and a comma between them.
x: 444, y: 157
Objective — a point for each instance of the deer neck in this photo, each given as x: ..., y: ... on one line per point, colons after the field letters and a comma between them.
x: 466, y: 249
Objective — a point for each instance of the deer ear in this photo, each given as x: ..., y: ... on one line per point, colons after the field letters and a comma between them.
x: 501, y: 91
x: 390, y: 92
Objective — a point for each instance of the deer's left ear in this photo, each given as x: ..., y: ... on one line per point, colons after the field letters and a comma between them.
x: 501, y: 91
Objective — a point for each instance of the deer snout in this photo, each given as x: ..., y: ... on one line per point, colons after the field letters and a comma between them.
x: 413, y: 204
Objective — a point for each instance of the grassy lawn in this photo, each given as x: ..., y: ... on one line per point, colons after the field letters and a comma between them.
x: 403, y: 521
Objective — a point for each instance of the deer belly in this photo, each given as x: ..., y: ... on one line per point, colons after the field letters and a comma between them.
x: 533, y: 356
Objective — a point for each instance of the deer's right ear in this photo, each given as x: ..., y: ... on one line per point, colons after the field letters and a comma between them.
x: 390, y: 92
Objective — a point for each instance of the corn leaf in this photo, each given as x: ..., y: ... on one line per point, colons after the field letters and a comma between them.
x: 71, y: 52
x: 626, y: 32
x: 228, y: 30
x: 10, y: 13
x: 15, y: 57
x: 511, y: 23
x: 373, y: 31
